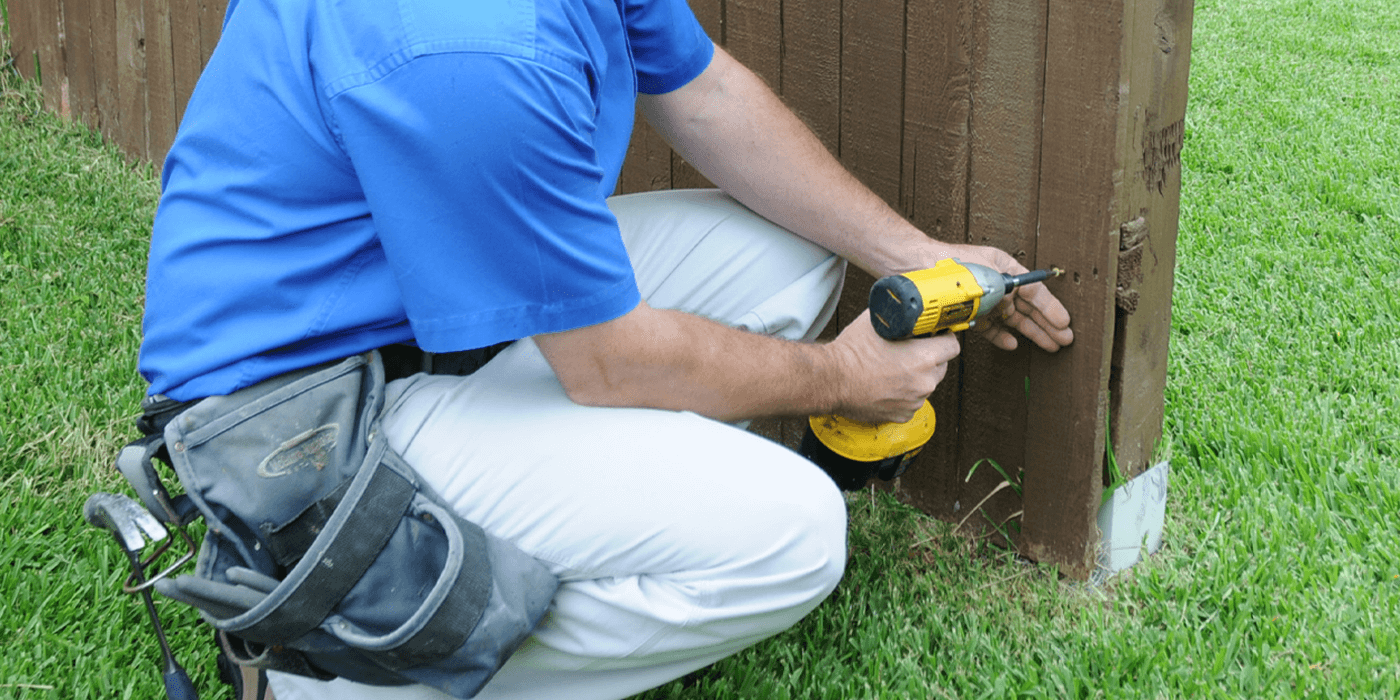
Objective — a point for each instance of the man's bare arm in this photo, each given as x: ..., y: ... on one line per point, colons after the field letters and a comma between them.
x: 659, y: 358
x: 731, y: 126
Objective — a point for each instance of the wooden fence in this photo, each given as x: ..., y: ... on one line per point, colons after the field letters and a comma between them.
x: 1049, y: 128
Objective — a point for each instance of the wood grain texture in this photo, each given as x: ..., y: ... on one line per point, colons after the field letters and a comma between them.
x: 103, y: 38
x: 186, y: 53
x: 24, y: 32
x: 753, y: 34
x: 1064, y: 445
x: 131, y: 79
x: 938, y: 117
x: 871, y: 126
x: 80, y: 62
x: 53, y: 71
x: 811, y: 65
x: 872, y: 93
x: 1157, y: 53
x: 160, y: 81
x: 1008, y: 73
x: 211, y: 23
x: 933, y: 195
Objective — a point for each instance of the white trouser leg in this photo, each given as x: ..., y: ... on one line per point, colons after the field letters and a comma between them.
x: 678, y: 539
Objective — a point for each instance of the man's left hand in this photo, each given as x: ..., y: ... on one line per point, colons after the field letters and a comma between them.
x: 1030, y: 310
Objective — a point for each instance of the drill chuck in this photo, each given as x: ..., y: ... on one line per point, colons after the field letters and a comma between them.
x: 1025, y: 278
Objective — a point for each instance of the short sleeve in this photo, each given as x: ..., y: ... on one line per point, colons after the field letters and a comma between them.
x: 669, y: 46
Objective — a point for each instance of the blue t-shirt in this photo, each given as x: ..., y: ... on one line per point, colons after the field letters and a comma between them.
x: 354, y: 173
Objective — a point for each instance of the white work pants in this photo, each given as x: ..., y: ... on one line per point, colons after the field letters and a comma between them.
x: 678, y: 540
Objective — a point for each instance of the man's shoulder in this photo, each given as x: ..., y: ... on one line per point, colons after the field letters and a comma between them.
x: 355, y: 41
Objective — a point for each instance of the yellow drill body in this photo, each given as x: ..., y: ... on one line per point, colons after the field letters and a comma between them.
x: 949, y: 296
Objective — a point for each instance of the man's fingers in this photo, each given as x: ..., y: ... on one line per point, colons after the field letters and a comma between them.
x: 1055, y: 323
x: 1037, y: 297
x: 997, y: 333
x: 1029, y: 322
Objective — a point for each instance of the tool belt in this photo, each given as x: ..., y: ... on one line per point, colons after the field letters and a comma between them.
x: 324, y: 555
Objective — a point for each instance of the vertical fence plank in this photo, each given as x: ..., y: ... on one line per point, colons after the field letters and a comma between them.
x: 937, y: 122
x: 187, y: 58
x: 131, y: 79
x: 48, y: 18
x: 811, y: 65
x: 211, y: 24
x: 82, y: 71
x: 24, y: 35
x: 1064, y: 446
x: 160, y: 81
x: 872, y: 93
x: 103, y: 40
x: 872, y: 114
x: 1008, y: 74
x: 938, y: 102
x: 752, y: 34
x: 1157, y: 55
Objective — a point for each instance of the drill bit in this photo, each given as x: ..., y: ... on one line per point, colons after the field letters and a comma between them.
x: 1014, y: 281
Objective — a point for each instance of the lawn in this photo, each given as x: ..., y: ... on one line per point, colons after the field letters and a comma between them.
x: 1280, y: 575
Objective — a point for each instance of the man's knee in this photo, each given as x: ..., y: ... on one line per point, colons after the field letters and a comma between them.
x: 821, y: 517
x: 800, y: 541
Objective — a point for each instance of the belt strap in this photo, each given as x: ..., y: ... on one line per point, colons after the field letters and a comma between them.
x: 405, y: 360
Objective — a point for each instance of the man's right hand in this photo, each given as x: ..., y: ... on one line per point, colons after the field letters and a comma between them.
x: 887, y: 381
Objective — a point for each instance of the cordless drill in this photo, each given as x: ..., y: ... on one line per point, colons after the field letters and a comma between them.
x: 949, y: 296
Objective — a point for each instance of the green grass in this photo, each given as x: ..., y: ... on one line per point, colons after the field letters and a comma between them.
x: 1280, y: 576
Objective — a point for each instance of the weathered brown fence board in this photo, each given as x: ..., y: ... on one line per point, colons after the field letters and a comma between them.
x: 1004, y: 168
x: 1152, y: 124
x: 186, y: 52
x: 211, y: 23
x: 936, y: 155
x: 102, y: 38
x: 78, y: 54
x: 1050, y: 128
x: 160, y: 76
x: 51, y: 60
x: 130, y: 76
x: 811, y: 65
x: 1065, y: 437
x: 24, y: 32
x: 750, y: 29
x: 872, y: 113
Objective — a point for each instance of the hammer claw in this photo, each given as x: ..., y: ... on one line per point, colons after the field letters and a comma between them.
x: 128, y: 522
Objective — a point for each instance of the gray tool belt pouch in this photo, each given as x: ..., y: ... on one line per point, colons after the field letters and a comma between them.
x: 324, y: 556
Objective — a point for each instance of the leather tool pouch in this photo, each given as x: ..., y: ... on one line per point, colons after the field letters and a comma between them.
x: 324, y: 555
